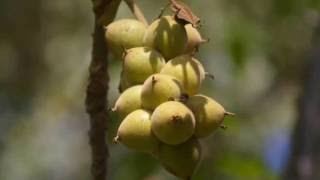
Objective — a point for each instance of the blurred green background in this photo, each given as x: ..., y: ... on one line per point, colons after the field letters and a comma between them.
x: 264, y: 54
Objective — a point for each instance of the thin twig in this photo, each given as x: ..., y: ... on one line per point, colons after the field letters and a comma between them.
x: 136, y: 11
x: 162, y: 10
x: 97, y: 89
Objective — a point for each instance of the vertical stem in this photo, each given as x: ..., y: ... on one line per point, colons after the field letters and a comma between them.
x: 136, y: 11
x: 97, y: 89
x: 96, y: 102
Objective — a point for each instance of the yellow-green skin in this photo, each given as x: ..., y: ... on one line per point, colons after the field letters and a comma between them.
x: 140, y: 62
x: 194, y: 38
x: 167, y: 36
x: 124, y: 33
x: 135, y: 132
x: 201, y: 69
x: 159, y: 88
x: 172, y: 122
x: 208, y: 113
x: 128, y: 101
x: 188, y: 71
x: 181, y: 160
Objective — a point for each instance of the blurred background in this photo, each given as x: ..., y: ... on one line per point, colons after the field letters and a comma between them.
x: 265, y: 55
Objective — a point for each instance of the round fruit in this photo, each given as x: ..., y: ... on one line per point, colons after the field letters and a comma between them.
x: 159, y: 88
x: 125, y: 33
x: 167, y: 36
x: 208, y: 113
x: 203, y: 73
x: 172, y: 122
x: 140, y: 62
x: 188, y: 71
x: 135, y: 132
x: 181, y: 160
x: 194, y: 38
x: 128, y: 101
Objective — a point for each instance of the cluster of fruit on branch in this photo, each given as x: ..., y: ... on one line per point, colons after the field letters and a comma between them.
x: 160, y: 106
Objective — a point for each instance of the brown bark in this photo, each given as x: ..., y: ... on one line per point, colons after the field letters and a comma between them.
x: 97, y: 89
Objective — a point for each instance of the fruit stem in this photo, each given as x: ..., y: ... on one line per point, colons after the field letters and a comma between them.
x: 195, y: 50
x: 125, y: 52
x: 209, y: 75
x: 114, y: 109
x: 204, y: 41
x: 224, y: 127
x: 184, y: 97
x: 229, y: 114
x: 116, y: 139
x: 136, y: 11
x: 162, y: 10
x: 176, y: 118
x: 153, y: 80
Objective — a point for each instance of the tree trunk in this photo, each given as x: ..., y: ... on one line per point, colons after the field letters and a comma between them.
x: 304, y: 163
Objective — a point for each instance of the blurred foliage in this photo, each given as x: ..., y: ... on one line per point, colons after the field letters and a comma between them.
x: 256, y: 53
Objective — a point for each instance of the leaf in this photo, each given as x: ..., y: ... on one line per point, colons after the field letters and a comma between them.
x: 184, y: 14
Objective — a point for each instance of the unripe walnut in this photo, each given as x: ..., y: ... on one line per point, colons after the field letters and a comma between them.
x: 135, y: 132
x: 181, y: 160
x: 128, y: 101
x: 124, y: 33
x: 208, y: 113
x: 188, y: 71
x: 140, y: 62
x: 159, y: 88
x: 167, y: 36
x: 203, y: 73
x: 172, y: 122
x: 194, y: 38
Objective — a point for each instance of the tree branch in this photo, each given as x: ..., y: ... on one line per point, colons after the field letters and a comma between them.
x: 136, y: 11
x: 97, y: 89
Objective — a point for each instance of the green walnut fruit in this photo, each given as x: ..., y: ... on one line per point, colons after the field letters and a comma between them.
x: 159, y: 88
x: 203, y: 73
x: 208, y: 113
x: 124, y: 33
x: 172, y: 122
x: 181, y: 160
x: 194, y: 39
x: 128, y: 101
x: 140, y: 62
x: 167, y: 36
x: 135, y: 132
x: 188, y: 71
